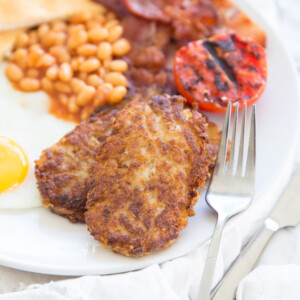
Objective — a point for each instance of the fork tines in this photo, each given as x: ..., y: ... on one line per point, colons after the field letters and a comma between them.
x: 234, y: 165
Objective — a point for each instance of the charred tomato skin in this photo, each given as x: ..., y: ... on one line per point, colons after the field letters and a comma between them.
x: 226, y: 67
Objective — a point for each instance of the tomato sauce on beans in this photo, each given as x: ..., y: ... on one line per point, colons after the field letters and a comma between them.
x: 77, y: 62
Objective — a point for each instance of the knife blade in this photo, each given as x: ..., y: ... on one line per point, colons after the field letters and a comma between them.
x: 286, y: 212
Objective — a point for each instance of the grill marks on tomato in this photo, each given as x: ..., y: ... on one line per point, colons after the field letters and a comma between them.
x: 219, y: 69
x: 224, y: 65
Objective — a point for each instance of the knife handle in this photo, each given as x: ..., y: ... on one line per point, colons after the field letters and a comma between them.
x: 246, y: 261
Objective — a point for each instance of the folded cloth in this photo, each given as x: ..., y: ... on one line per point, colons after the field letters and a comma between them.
x: 271, y: 283
x: 144, y: 284
x: 174, y: 280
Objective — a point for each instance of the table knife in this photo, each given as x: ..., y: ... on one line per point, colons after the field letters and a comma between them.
x: 286, y: 212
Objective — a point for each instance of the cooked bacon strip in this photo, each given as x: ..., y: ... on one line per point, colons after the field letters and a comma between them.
x: 198, y: 19
x: 191, y: 20
x: 154, y: 43
x: 115, y: 5
x: 150, y: 10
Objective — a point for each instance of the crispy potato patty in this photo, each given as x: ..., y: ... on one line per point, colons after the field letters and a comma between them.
x: 63, y: 170
x: 147, y: 176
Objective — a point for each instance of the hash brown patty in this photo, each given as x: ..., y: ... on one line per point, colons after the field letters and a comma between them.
x: 63, y: 170
x: 147, y: 176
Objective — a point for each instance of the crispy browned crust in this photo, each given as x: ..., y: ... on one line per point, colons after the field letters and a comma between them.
x: 63, y: 170
x: 147, y: 176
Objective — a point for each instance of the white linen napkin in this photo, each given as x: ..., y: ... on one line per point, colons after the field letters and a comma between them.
x: 271, y: 283
x: 174, y: 280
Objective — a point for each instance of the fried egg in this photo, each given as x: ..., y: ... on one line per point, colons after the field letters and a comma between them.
x: 26, y: 128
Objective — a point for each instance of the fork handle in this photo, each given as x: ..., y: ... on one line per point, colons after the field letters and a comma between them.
x: 246, y: 261
x: 211, y: 259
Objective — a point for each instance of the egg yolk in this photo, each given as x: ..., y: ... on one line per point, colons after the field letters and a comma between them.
x: 13, y: 164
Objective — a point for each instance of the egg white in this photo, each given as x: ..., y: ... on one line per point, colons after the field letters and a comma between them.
x: 24, y: 118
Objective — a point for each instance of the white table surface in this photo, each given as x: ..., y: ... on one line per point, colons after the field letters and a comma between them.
x: 284, y: 247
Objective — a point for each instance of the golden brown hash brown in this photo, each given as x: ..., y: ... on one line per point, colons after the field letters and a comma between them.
x: 63, y: 170
x: 147, y: 176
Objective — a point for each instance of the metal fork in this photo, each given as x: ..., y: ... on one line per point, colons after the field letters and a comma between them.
x: 231, y: 188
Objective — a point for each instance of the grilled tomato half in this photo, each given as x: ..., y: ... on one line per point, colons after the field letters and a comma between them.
x: 219, y: 69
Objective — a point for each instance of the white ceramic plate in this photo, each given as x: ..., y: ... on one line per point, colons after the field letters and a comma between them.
x: 39, y: 241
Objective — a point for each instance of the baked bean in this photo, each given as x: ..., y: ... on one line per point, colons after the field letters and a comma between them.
x: 22, y: 40
x: 60, y: 53
x: 116, y: 78
x: 29, y: 84
x: 81, y: 17
x: 87, y: 49
x: 106, y: 64
x: 42, y: 30
x: 20, y: 54
x: 65, y: 72
x: 20, y: 57
x: 94, y: 80
x: 74, y: 64
x: 97, y: 34
x: 118, y: 65
x: 94, y: 24
x: 62, y: 87
x: 90, y: 65
x: 60, y: 38
x: 86, y: 113
x: 13, y: 72
x: 117, y: 94
x: 106, y: 88
x: 46, y: 60
x: 100, y: 99
x: 104, y: 50
x: 101, y: 19
x: 58, y: 25
x: 36, y: 48
x: 49, y: 39
x: 47, y: 84
x: 120, y: 47
x: 77, y: 38
x: 77, y: 85
x: 115, y: 33
x: 35, y: 53
x: 72, y: 106
x: 33, y: 37
x: 32, y: 73
x: 101, y: 72
x: 75, y: 27
x: 52, y: 72
x: 86, y: 95
x: 111, y: 24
